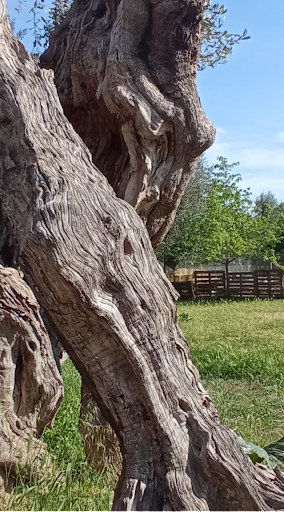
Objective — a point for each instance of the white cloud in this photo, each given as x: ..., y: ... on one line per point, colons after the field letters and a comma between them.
x: 261, y: 167
x: 219, y: 149
x: 262, y: 158
x: 221, y: 130
x: 280, y: 136
x: 260, y: 181
x: 265, y: 158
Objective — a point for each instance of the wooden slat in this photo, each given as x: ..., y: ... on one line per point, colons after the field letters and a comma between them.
x: 209, y: 284
x: 212, y: 284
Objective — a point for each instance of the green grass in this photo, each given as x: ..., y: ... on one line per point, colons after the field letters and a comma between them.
x: 72, y: 484
x: 238, y: 348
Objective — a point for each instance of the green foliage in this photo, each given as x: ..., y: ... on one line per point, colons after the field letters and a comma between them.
x: 257, y: 454
x: 229, y: 228
x: 263, y: 201
x: 217, y: 44
x: 179, y: 243
x: 222, y: 224
x: 272, y: 455
x: 278, y: 212
x: 225, y: 231
x: 272, y: 212
x: 276, y: 450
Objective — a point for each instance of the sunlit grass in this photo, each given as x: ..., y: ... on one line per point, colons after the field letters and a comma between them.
x: 72, y: 484
x: 238, y: 348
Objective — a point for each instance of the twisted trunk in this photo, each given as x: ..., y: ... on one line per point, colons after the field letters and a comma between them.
x: 125, y: 72
x: 88, y: 258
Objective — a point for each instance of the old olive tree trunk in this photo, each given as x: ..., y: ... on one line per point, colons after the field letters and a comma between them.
x: 31, y: 388
x: 88, y: 258
x: 125, y: 72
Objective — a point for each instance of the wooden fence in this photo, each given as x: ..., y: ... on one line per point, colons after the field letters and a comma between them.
x: 270, y: 284
x: 209, y: 284
x: 240, y: 285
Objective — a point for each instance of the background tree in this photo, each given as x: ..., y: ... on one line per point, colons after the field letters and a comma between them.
x: 278, y: 211
x: 228, y: 229
x: 177, y: 244
x: 224, y: 226
x: 267, y: 204
x: 264, y: 200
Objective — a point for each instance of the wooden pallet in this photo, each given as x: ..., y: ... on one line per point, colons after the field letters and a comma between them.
x: 210, y: 284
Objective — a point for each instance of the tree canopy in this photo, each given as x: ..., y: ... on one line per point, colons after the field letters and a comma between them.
x: 180, y: 243
x: 221, y: 224
x: 264, y: 200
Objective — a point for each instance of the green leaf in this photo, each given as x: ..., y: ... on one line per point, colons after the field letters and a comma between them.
x: 256, y: 453
x: 276, y: 450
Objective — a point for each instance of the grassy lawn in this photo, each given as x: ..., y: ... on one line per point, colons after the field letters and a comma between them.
x: 238, y: 348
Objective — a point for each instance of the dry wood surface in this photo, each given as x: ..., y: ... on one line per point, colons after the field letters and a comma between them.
x: 125, y: 72
x: 31, y: 389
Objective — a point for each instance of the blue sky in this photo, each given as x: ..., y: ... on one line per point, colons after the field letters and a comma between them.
x: 243, y: 98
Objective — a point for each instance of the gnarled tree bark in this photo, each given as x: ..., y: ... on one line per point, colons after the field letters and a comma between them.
x: 31, y: 388
x: 126, y: 77
x: 89, y: 260
x: 125, y: 73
